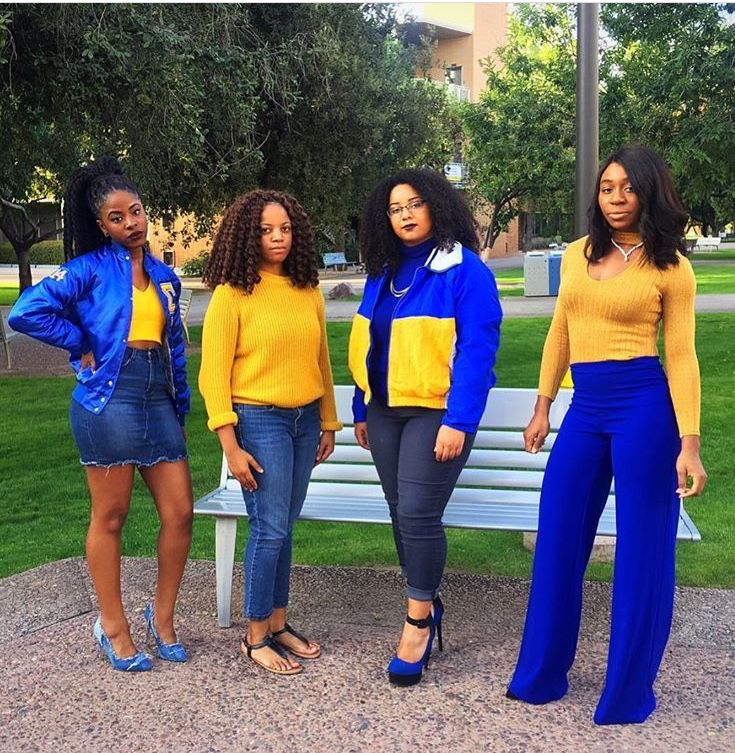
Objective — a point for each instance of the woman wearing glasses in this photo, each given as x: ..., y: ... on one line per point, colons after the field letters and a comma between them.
x: 422, y: 350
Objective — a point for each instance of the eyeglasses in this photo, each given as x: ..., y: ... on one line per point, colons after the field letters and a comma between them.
x: 412, y: 206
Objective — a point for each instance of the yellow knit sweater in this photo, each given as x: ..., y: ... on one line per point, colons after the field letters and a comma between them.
x: 266, y: 348
x: 618, y: 319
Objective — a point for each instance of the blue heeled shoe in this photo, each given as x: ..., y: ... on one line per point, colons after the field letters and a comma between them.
x: 405, y: 673
x: 167, y: 651
x: 139, y: 662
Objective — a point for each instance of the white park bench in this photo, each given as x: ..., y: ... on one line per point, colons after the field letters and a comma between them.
x: 499, y: 487
x: 707, y: 242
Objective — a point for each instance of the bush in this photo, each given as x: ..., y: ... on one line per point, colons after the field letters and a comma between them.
x: 45, y: 252
x: 538, y: 242
x: 195, y: 267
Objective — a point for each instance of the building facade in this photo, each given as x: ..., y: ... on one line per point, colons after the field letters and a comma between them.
x: 464, y: 36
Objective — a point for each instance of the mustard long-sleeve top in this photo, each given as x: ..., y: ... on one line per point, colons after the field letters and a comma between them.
x: 268, y: 347
x: 618, y: 319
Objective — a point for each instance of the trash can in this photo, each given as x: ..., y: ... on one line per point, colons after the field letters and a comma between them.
x: 536, y: 274
x: 554, y: 263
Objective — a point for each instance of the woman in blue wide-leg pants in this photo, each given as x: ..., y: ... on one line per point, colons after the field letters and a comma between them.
x: 620, y: 421
x: 622, y: 286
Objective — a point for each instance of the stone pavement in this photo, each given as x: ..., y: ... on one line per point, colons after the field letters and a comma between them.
x: 56, y: 695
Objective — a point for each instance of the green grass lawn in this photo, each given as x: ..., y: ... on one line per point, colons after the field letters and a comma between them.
x: 724, y: 254
x: 715, y: 278
x: 45, y: 503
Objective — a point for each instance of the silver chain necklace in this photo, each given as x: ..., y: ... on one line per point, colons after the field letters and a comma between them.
x: 626, y: 254
x: 398, y: 293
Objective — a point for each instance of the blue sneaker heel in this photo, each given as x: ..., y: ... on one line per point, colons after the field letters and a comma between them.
x: 405, y: 673
x: 167, y: 651
x: 139, y: 662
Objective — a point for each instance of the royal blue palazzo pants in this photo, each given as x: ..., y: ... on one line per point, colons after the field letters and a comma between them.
x: 620, y: 425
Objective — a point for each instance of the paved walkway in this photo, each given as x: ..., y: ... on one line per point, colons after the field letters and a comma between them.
x: 57, y: 696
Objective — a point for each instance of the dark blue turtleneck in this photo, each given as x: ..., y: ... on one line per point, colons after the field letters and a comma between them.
x: 412, y: 257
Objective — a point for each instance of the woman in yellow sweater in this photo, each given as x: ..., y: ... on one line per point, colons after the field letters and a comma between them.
x: 267, y: 384
x: 629, y: 421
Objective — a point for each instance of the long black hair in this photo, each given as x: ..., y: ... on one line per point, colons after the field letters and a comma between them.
x: 663, y: 218
x: 85, y: 193
x: 451, y: 218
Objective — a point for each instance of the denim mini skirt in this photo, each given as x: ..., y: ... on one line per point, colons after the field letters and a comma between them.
x: 138, y: 426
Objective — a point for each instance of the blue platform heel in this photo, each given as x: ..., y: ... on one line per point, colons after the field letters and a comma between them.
x: 139, y: 662
x: 167, y: 651
x: 405, y: 673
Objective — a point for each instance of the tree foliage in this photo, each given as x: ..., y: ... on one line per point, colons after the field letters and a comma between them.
x: 203, y: 102
x: 667, y: 77
x: 521, y: 133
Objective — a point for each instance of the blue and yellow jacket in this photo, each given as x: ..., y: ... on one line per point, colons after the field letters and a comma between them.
x: 86, y: 304
x: 443, y: 339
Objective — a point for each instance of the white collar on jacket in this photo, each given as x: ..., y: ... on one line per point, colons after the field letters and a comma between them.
x: 440, y: 260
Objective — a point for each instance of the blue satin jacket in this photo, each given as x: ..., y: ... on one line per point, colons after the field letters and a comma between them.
x: 86, y: 304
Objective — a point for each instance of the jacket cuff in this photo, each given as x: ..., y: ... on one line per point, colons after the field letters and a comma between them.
x: 222, y: 419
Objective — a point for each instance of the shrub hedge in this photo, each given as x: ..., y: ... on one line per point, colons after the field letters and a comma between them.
x: 45, y: 252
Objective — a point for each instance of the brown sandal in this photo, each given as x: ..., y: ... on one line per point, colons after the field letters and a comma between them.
x: 301, y: 655
x: 247, y: 650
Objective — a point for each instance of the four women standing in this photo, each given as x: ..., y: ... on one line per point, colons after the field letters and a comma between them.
x: 422, y: 351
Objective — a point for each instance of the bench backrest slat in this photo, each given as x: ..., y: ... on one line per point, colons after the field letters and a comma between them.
x: 497, y: 458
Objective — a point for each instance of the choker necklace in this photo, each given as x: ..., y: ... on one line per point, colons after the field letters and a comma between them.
x: 398, y: 293
x: 626, y: 254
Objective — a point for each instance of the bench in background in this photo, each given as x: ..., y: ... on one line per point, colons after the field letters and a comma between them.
x: 499, y: 488
x: 336, y: 259
x: 711, y: 243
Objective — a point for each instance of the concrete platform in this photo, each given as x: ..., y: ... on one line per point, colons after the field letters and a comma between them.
x: 57, y: 696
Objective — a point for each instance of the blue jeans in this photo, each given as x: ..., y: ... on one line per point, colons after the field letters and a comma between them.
x: 417, y: 488
x: 284, y: 441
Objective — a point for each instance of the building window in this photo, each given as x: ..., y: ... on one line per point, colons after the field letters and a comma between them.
x: 453, y: 75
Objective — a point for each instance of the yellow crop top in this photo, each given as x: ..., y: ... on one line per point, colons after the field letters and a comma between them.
x: 148, y: 319
x: 619, y: 318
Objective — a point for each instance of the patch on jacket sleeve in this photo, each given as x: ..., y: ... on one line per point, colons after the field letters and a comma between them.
x: 167, y: 289
x: 59, y: 274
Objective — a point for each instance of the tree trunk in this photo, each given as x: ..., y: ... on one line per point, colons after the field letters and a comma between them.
x: 24, y: 266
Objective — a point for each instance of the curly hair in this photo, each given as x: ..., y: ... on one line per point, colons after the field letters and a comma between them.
x: 85, y: 194
x: 663, y: 218
x: 236, y: 251
x: 451, y: 218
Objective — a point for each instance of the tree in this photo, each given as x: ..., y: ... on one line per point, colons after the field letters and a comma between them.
x: 520, y: 134
x: 205, y: 102
x: 669, y: 73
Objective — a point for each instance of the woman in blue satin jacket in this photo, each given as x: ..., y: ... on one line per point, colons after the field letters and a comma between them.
x: 115, y: 308
x: 421, y: 352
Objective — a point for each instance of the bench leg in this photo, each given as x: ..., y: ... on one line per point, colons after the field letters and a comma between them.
x: 225, y: 533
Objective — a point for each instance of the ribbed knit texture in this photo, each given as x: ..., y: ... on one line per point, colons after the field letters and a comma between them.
x: 618, y: 319
x: 266, y: 348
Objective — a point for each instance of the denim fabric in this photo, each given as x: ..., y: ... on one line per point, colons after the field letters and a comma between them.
x: 284, y: 441
x: 86, y: 304
x: 139, y: 424
x: 417, y: 488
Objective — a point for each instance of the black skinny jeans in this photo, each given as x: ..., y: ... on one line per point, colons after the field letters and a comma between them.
x: 417, y: 488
